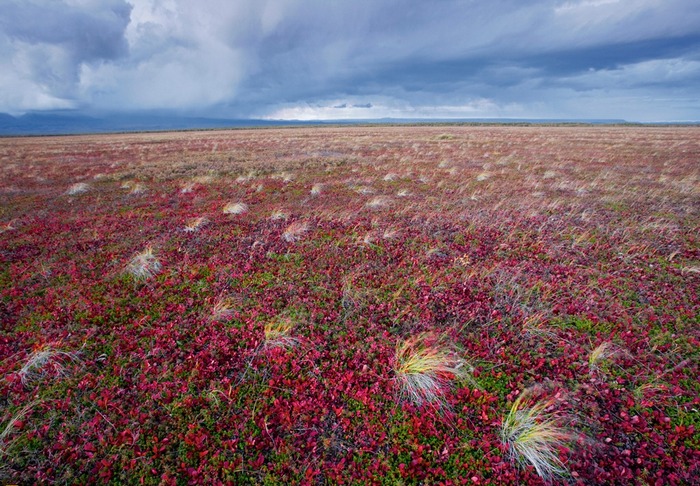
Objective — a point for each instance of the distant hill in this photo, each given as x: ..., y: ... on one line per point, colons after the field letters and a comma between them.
x: 73, y: 123
x: 69, y: 122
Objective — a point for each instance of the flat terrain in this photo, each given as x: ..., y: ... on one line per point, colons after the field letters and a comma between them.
x: 239, y: 306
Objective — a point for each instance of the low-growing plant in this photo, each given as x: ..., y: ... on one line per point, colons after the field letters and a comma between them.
x: 9, y: 428
x: 534, y: 434
x: 426, y: 366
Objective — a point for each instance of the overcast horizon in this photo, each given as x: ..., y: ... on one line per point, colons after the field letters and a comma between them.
x: 637, y: 60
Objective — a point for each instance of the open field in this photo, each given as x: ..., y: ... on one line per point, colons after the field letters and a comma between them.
x: 391, y: 305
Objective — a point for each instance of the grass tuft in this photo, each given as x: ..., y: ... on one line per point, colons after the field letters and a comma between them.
x: 534, y: 434
x: 222, y: 311
x: 236, y: 208
x: 78, y: 188
x: 195, y: 224
x: 603, y: 352
x: 277, y: 333
x: 295, y: 231
x: 144, y: 265
x: 316, y: 189
x: 44, y: 361
x: 426, y: 366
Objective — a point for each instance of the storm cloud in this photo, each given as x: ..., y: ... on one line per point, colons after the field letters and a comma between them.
x: 310, y: 59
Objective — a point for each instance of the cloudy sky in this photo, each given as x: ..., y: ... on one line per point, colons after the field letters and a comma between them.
x: 343, y: 59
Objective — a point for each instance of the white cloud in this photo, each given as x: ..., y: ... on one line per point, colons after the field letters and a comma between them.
x: 390, y: 108
x: 656, y: 71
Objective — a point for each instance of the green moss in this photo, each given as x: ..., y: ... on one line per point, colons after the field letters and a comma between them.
x: 583, y: 325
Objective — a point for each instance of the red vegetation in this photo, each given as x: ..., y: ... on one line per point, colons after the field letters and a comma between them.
x: 527, y: 247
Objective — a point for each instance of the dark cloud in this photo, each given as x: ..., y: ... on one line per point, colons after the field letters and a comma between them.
x: 314, y: 58
x: 45, y: 44
x: 90, y: 33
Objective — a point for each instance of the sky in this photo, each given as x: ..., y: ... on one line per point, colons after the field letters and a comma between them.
x: 637, y: 60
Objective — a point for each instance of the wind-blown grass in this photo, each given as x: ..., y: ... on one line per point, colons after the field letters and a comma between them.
x: 44, y: 361
x: 78, y: 188
x: 195, y: 224
x: 534, y: 434
x: 426, y: 366
x: 236, y: 208
x: 144, y: 265
x: 603, y: 352
x: 278, y: 333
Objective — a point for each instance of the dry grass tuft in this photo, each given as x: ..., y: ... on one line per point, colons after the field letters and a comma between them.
x: 278, y: 214
x: 316, y: 189
x: 144, y: 265
x: 426, y: 366
x: 378, y: 202
x: 534, y: 434
x: 236, y: 208
x: 223, y: 310
x: 277, y: 333
x: 603, y: 352
x: 195, y: 224
x: 44, y: 361
x: 188, y: 187
x: 295, y: 231
x: 78, y: 188
x: 138, y: 188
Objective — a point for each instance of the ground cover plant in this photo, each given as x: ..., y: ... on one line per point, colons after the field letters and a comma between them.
x: 355, y: 305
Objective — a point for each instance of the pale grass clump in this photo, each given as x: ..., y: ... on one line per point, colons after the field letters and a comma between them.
x: 236, y: 208
x: 403, y: 193
x: 78, y: 188
x: 144, y: 265
x: 426, y: 366
x: 390, y: 234
x: 316, y: 189
x: 378, y: 202
x: 364, y: 190
x: 278, y: 214
x: 483, y: 176
x: 187, y: 187
x: 534, y: 434
x: 195, y: 224
x: 390, y: 177
x: 222, y: 311
x: 43, y: 361
x: 295, y: 231
x: 278, y: 333
x: 135, y: 188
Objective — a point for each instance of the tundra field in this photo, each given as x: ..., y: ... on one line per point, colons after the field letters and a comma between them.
x: 354, y: 305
